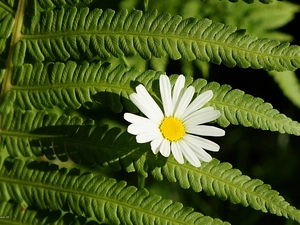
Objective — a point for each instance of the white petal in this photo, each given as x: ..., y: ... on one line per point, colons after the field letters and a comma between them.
x: 189, y: 154
x: 165, y: 92
x: 156, y: 143
x: 205, y: 130
x: 202, y: 142
x: 137, y: 128
x: 132, y: 118
x: 146, y: 104
x: 164, y: 148
x: 203, y: 110
x: 146, y: 136
x: 201, y: 154
x: 201, y: 116
x: 198, y: 102
x: 177, y: 90
x: 177, y: 152
x: 184, y: 101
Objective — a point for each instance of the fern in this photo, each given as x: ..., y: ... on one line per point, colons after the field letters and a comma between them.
x: 67, y: 69
x: 16, y: 214
x: 149, y: 34
x: 119, y: 150
x: 289, y: 84
x: 18, y: 130
x: 75, y: 85
x: 93, y: 196
x: 70, y: 85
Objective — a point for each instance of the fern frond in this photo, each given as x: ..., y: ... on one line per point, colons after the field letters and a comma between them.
x: 91, y: 196
x: 104, y: 146
x: 220, y: 179
x: 17, y: 214
x: 119, y: 150
x: 73, y: 85
x: 289, y: 84
x: 239, y: 108
x: 90, y: 33
x: 258, y: 19
x: 17, y: 130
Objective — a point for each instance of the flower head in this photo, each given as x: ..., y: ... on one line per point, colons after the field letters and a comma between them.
x: 178, y: 127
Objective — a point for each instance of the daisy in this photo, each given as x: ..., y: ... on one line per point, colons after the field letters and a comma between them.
x: 178, y: 127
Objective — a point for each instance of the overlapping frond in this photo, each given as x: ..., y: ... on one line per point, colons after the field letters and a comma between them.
x: 239, y: 108
x: 90, y: 33
x: 16, y: 214
x: 111, y: 147
x: 92, y: 196
x: 75, y: 85
x: 220, y: 179
x: 289, y: 84
x: 72, y: 85
x: 64, y: 137
x: 17, y: 130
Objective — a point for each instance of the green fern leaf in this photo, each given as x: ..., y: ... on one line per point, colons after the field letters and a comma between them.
x: 258, y: 19
x: 91, y: 196
x: 106, y: 147
x: 119, y: 150
x: 17, y: 130
x: 289, y: 84
x: 73, y: 85
x: 17, y: 214
x: 90, y: 33
x: 239, y: 108
x: 220, y: 179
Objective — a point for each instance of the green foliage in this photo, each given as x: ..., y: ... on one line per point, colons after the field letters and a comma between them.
x: 98, y: 197
x: 148, y: 34
x: 289, y: 84
x: 67, y: 69
x: 17, y: 214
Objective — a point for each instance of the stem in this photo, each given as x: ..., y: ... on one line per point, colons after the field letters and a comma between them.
x: 146, y: 3
x: 141, y: 182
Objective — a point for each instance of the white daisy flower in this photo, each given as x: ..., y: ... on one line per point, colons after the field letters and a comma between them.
x: 178, y: 127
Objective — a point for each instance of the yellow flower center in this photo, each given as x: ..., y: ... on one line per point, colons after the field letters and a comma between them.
x: 172, y: 129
